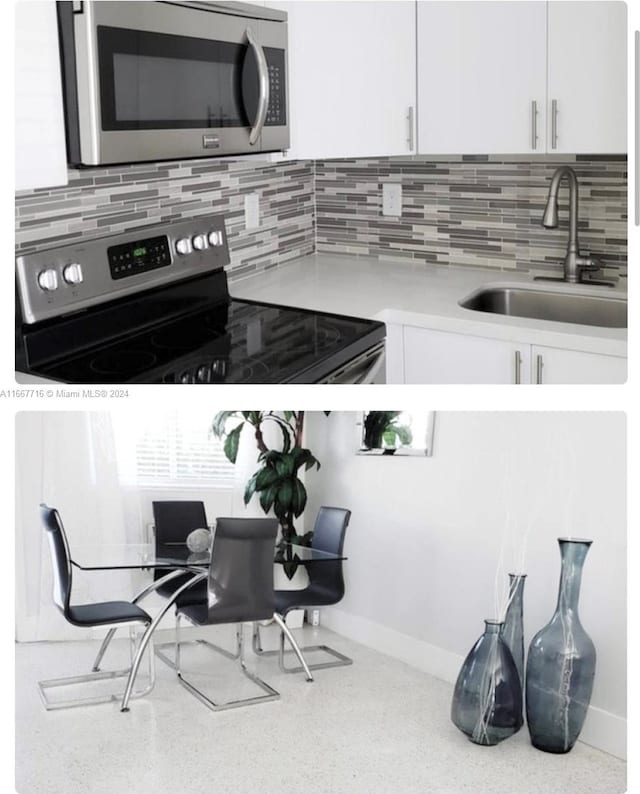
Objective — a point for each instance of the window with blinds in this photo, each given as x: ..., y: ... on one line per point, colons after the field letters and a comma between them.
x: 174, y: 448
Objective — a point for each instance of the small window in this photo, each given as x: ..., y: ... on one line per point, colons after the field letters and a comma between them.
x: 174, y: 448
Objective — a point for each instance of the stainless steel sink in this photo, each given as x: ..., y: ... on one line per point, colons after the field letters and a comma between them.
x: 563, y: 307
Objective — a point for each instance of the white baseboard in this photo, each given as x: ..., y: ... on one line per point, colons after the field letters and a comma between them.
x: 602, y: 729
x: 606, y: 731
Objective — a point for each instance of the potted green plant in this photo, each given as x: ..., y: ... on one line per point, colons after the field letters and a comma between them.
x: 277, y: 481
x: 383, y: 429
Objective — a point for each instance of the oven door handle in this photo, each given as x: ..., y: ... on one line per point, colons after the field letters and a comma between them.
x: 263, y: 80
x: 370, y: 375
x: 363, y: 369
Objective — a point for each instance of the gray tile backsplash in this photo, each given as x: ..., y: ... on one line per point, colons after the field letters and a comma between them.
x: 472, y: 210
x: 102, y: 201
x: 475, y: 210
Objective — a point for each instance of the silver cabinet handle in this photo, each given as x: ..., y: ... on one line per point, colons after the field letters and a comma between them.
x: 517, y: 367
x: 554, y: 123
x: 534, y: 124
x: 410, y: 120
x: 539, y: 365
x: 263, y: 78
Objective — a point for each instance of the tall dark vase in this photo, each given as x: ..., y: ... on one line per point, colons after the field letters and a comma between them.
x: 513, y: 633
x: 562, y: 662
x: 487, y: 699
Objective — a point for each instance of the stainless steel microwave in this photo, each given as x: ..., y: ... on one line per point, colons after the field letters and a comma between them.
x: 146, y: 80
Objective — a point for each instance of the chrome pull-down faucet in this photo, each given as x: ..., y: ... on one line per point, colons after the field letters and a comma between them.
x: 575, y: 262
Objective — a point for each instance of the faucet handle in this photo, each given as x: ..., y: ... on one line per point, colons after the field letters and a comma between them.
x: 589, y: 262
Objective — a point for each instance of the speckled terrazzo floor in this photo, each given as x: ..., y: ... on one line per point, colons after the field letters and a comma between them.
x: 377, y: 726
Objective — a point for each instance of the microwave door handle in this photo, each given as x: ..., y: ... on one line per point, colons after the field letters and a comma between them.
x: 263, y: 78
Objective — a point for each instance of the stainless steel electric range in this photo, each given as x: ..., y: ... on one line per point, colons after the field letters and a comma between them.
x: 152, y: 306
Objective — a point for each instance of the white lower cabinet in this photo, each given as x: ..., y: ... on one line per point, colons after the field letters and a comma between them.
x: 442, y: 357
x: 556, y: 365
x: 426, y: 356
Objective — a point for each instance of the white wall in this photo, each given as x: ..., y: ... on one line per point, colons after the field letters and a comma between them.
x: 426, y: 534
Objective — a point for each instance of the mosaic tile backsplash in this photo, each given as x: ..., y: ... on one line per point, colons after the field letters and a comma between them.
x: 103, y: 201
x: 473, y: 210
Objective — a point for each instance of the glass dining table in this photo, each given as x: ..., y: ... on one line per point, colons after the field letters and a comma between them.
x: 176, y: 559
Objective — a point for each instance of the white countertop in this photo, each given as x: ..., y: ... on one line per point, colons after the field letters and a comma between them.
x: 423, y: 295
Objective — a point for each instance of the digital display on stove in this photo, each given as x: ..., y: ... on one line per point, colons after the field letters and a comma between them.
x: 138, y: 257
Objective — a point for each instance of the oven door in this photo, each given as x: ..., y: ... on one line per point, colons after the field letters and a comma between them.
x: 367, y: 368
x: 158, y: 80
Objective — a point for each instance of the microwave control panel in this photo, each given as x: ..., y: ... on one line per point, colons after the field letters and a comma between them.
x: 276, y: 112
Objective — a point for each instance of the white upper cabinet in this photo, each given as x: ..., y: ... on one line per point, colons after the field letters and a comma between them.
x: 41, y: 157
x: 587, y: 77
x: 481, y: 66
x: 352, y: 77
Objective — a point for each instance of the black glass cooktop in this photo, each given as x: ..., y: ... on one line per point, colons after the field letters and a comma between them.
x: 230, y: 342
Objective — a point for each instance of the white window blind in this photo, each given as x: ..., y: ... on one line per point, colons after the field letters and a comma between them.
x: 171, y: 448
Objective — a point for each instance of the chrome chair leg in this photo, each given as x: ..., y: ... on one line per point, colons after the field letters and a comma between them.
x: 142, y: 594
x: 271, y: 693
x: 149, y: 634
x: 284, y: 630
x: 341, y: 659
x: 91, y: 677
x: 158, y: 648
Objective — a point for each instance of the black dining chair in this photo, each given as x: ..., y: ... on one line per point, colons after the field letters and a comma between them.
x: 109, y: 614
x: 239, y: 589
x: 174, y: 521
x: 325, y: 588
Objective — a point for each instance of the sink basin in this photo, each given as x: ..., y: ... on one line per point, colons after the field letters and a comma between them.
x: 563, y: 307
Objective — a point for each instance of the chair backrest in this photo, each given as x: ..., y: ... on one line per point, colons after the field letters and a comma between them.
x: 60, y: 557
x: 240, y: 586
x: 328, y: 535
x: 174, y: 521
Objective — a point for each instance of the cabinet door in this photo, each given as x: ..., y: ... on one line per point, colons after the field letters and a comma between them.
x: 588, y: 76
x: 442, y: 357
x: 352, y: 77
x: 41, y: 158
x: 481, y: 66
x: 555, y: 365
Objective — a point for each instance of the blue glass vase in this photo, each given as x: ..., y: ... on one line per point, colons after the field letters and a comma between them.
x: 561, y: 664
x: 487, y: 698
x: 513, y: 632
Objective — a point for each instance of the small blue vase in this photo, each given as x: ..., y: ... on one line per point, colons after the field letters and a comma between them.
x: 561, y: 664
x: 513, y: 632
x: 487, y: 698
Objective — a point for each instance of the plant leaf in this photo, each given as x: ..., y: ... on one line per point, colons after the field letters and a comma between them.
x: 250, y: 488
x: 290, y: 568
x: 232, y: 443
x: 299, y: 498
x: 284, y: 495
x: 267, y: 498
x: 219, y: 422
x: 265, y: 477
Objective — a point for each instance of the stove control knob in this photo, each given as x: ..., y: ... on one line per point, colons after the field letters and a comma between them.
x: 48, y: 280
x: 204, y: 374
x: 72, y: 274
x: 183, y: 246
x: 216, y: 239
x: 200, y: 242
